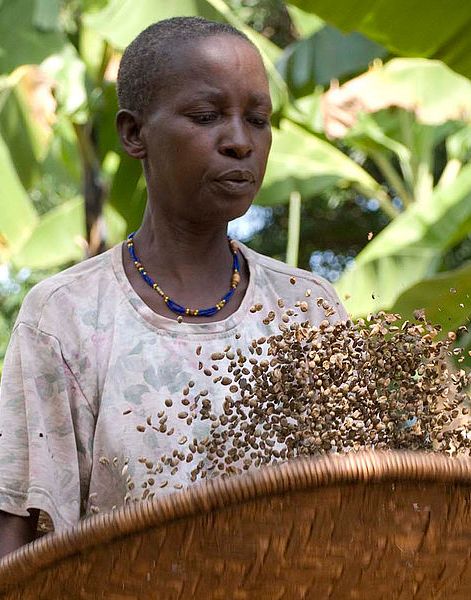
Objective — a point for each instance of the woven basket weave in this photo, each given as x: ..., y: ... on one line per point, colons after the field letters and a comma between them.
x: 359, y: 526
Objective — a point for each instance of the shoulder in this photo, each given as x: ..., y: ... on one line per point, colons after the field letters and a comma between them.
x: 292, y: 283
x: 65, y: 290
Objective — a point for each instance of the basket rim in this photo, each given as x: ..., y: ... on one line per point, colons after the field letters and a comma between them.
x: 293, y: 475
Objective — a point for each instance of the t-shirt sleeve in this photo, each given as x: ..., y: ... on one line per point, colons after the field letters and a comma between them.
x: 46, y: 430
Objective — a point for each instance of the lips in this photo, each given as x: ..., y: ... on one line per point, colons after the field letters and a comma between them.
x: 237, y: 176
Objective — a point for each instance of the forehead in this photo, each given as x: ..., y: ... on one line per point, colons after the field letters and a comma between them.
x: 223, y: 63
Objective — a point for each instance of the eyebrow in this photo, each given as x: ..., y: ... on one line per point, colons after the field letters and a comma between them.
x: 259, y: 98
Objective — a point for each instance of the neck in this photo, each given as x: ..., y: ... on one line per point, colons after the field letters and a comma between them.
x: 183, y: 251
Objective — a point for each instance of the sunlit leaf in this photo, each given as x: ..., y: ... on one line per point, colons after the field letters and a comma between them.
x: 446, y: 298
x: 68, y: 71
x: 305, y: 23
x: 17, y: 215
x: 409, y: 249
x: 303, y: 162
x: 57, y: 239
x: 427, y: 88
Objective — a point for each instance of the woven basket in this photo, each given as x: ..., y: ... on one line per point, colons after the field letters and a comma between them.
x: 368, y: 525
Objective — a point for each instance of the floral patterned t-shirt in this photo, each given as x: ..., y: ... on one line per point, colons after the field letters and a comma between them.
x: 93, y: 383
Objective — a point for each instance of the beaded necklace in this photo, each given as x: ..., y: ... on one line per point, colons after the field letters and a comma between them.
x: 178, y: 308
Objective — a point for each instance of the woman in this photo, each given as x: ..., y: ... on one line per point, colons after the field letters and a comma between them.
x: 102, y: 353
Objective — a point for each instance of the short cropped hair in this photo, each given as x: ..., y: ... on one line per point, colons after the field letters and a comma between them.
x: 142, y: 68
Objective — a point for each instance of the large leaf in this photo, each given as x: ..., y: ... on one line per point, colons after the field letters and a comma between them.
x: 409, y: 249
x: 428, y: 88
x: 59, y: 237
x: 327, y: 54
x: 17, y: 215
x: 26, y: 116
x: 446, y: 298
x: 303, y: 162
x: 432, y: 29
x: 21, y: 40
x: 68, y: 71
x: 19, y: 134
x: 56, y: 240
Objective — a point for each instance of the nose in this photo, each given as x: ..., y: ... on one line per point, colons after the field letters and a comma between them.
x: 236, y: 141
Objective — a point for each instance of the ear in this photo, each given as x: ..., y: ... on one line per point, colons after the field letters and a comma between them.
x: 129, y: 125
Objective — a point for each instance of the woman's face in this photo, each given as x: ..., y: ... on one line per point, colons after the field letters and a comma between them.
x: 207, y: 134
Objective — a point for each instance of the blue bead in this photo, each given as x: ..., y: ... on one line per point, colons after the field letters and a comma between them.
x: 176, y: 307
x: 229, y: 295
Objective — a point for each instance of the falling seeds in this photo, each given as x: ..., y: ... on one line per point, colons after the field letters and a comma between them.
x: 309, y: 390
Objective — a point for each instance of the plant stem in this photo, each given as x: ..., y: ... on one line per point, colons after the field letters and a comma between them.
x: 450, y: 172
x: 294, y: 226
x: 392, y: 176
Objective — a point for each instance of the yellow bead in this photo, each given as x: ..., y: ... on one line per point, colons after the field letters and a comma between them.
x: 195, y: 312
x: 187, y: 311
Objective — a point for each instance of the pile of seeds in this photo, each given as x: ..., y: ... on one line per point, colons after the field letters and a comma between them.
x: 376, y: 383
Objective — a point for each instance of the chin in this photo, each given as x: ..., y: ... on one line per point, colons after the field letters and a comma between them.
x: 226, y: 210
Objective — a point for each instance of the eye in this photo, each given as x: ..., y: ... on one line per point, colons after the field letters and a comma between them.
x: 259, y: 121
x: 204, y: 118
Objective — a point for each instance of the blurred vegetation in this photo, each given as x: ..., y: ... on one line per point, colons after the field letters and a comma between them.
x: 371, y: 130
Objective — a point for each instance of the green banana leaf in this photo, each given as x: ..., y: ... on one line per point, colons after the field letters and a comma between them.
x: 432, y: 29
x: 428, y: 88
x: 17, y: 215
x: 25, y: 140
x: 59, y: 237
x: 325, y: 55
x: 25, y: 34
x: 446, y: 298
x: 68, y: 71
x: 304, y: 162
x: 409, y: 249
